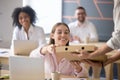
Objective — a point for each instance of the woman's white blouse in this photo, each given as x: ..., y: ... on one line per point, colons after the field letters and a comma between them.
x: 35, y: 33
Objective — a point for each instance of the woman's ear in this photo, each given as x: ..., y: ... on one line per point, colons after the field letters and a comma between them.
x: 52, y: 35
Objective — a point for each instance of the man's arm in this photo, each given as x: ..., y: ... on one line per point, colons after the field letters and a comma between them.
x: 100, y: 51
x: 113, y: 58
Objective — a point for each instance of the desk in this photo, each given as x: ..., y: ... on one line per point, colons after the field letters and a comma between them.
x: 4, y: 60
x: 109, y: 68
x: 96, y: 70
x: 64, y: 77
x: 96, y: 73
x: 4, y: 54
x: 48, y: 76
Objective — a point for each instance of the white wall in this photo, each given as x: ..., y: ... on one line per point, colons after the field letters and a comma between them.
x: 48, y: 12
x: 6, y: 28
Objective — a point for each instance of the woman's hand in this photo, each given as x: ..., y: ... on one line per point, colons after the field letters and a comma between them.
x: 76, y: 66
x: 50, y: 48
x: 110, y: 60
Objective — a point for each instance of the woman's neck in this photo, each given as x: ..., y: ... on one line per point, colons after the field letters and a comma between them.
x: 26, y: 29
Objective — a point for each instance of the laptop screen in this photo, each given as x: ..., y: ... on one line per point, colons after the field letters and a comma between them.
x: 26, y: 68
x: 24, y: 47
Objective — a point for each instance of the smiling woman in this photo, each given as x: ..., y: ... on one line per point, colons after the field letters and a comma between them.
x: 47, y: 12
x: 59, y: 36
x: 24, y: 19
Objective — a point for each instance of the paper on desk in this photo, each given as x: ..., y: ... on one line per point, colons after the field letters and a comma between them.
x: 3, y: 51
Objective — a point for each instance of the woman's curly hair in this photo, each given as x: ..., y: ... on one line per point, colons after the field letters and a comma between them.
x: 28, y: 10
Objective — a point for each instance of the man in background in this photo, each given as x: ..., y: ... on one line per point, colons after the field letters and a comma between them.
x: 82, y: 29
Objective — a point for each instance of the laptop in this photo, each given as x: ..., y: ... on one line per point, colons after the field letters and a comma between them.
x: 26, y: 68
x: 24, y: 47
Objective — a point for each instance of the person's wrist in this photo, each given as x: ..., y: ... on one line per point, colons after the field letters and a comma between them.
x: 41, y: 51
x: 78, y: 70
x: 109, y: 60
x: 89, y: 56
x: 44, y: 50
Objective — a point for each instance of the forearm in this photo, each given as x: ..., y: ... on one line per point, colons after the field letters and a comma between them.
x: 44, y: 50
x: 113, y: 58
x: 83, y: 72
x: 101, y: 51
x: 78, y: 70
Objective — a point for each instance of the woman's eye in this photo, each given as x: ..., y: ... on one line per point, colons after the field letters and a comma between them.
x: 59, y: 32
x: 66, y: 32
